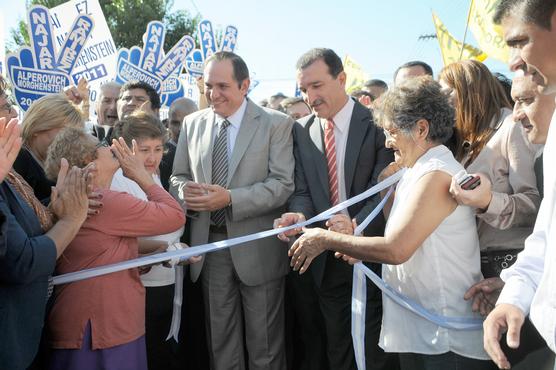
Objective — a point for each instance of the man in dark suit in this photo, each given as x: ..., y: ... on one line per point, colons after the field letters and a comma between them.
x: 339, y: 153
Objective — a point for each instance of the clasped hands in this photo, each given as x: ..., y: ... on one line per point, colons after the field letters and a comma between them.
x: 206, y: 197
x: 314, y: 240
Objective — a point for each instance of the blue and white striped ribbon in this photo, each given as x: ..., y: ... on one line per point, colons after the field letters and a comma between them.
x: 186, y: 253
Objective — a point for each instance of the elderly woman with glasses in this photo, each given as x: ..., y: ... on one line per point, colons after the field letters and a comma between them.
x: 430, y: 248
x: 99, y: 323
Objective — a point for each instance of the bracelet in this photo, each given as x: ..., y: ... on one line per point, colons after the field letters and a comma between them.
x: 230, y: 203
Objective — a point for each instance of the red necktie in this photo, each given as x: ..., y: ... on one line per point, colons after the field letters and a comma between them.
x: 330, y: 149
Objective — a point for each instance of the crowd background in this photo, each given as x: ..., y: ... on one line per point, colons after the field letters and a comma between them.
x: 78, y: 193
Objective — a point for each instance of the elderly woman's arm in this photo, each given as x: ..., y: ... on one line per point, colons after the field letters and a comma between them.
x: 428, y: 205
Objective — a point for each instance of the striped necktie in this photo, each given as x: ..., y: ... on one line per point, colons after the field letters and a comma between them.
x: 220, y: 168
x: 330, y: 149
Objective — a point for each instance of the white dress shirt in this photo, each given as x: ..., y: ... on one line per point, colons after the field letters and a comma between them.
x: 531, y: 281
x: 233, y: 129
x: 341, y: 131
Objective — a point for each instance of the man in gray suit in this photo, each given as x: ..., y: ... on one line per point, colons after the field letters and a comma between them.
x: 339, y: 153
x: 234, y: 169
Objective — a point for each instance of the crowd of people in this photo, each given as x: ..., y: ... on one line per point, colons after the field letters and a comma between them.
x: 467, y: 233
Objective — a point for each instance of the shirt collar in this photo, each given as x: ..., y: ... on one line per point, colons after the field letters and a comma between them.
x: 342, y: 118
x: 236, y: 118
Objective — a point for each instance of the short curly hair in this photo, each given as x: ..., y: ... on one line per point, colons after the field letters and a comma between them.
x: 73, y: 144
x: 415, y: 99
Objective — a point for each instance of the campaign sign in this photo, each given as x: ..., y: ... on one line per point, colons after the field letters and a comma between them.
x: 151, y: 64
x: 196, y: 60
x: 42, y: 69
x: 97, y: 62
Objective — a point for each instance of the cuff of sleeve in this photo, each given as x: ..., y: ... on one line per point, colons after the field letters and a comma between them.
x: 518, y: 293
x: 495, y: 206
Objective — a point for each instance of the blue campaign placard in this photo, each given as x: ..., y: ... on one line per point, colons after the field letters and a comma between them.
x: 152, y: 65
x: 40, y: 69
x: 195, y: 62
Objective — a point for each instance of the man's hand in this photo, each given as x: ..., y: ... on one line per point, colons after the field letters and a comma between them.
x: 341, y: 223
x: 505, y: 317
x: 484, y: 294
x: 215, y: 197
x: 288, y: 219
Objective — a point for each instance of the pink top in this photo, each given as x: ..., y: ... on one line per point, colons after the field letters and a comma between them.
x: 114, y: 303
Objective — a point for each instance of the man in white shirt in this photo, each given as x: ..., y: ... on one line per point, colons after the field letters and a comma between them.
x: 105, y: 109
x: 530, y: 31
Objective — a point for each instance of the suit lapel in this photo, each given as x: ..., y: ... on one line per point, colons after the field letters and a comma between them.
x: 319, y: 156
x: 249, y: 125
x: 207, y: 141
x: 356, y: 135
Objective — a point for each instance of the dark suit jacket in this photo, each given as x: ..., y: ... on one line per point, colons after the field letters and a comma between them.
x: 100, y: 133
x: 365, y: 157
x: 34, y: 174
x: 29, y: 259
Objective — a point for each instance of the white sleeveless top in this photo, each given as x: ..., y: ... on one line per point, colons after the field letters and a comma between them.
x: 158, y: 275
x: 436, y: 276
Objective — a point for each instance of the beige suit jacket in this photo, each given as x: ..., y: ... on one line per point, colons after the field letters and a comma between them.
x: 260, y: 178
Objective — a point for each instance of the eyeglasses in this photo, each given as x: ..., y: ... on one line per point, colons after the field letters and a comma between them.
x: 390, y: 133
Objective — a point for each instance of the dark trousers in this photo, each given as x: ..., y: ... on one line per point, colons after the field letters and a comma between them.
x: 445, y: 361
x: 161, y: 354
x: 323, y: 315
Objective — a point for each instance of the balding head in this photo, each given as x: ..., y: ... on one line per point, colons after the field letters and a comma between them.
x: 178, y: 110
x: 106, y: 107
x: 533, y: 109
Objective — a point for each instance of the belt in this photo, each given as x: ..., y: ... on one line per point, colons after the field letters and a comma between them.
x: 218, y: 229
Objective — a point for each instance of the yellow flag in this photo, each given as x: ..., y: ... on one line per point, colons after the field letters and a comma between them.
x: 489, y: 35
x: 451, y: 48
x: 355, y: 76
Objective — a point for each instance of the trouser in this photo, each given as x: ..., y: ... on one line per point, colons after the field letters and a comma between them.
x: 445, y: 361
x: 236, y: 313
x: 324, y: 316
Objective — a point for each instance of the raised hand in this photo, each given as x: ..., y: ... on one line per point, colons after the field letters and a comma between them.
x: 10, y: 144
x: 132, y: 166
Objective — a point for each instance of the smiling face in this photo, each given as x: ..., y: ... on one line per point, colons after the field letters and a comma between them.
x: 532, y: 49
x: 224, y: 94
x: 532, y: 109
x: 150, y: 152
x: 324, y: 93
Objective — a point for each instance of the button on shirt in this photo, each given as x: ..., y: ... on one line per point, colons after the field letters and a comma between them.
x: 233, y: 129
x: 531, y: 281
x: 341, y: 131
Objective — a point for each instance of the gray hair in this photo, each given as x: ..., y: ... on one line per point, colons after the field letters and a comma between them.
x: 415, y: 99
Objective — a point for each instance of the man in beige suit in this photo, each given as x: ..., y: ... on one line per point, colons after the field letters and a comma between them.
x: 233, y: 171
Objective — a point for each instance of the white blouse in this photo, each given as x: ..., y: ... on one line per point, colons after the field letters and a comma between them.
x: 158, y: 275
x: 436, y: 276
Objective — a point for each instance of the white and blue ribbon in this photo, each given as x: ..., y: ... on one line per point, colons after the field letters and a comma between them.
x: 360, y: 271
x: 187, y: 253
